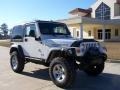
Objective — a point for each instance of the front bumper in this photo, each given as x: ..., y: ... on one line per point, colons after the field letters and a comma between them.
x: 92, y: 59
x: 93, y: 55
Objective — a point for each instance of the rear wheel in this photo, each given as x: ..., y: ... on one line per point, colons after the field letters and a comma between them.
x: 17, y: 62
x: 94, y: 70
x: 62, y: 72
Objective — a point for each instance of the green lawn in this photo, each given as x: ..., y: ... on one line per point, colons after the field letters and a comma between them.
x: 5, y: 43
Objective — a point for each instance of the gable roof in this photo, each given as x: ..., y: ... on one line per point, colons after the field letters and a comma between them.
x: 77, y: 10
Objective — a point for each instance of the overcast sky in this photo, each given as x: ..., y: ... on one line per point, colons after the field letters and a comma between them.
x: 14, y: 12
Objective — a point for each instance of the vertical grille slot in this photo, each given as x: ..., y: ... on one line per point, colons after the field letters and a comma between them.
x: 87, y: 45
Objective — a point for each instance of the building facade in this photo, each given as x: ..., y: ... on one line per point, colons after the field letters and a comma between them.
x: 101, y: 21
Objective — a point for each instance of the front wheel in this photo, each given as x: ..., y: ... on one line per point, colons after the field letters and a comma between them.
x: 94, y: 70
x: 62, y: 72
x: 17, y: 63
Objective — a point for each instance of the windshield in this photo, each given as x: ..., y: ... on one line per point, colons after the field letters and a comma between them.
x: 53, y: 29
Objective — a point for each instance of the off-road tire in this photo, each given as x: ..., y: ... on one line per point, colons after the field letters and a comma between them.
x: 94, y: 70
x: 70, y: 72
x: 20, y: 60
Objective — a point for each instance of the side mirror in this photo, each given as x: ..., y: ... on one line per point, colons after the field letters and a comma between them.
x: 38, y: 39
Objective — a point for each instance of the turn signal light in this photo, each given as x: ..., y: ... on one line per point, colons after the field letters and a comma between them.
x: 77, y: 50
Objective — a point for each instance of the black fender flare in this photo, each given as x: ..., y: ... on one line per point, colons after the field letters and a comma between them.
x: 61, y: 53
x: 19, y: 49
x: 53, y: 54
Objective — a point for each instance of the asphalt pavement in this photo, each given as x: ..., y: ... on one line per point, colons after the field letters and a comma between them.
x: 36, y: 77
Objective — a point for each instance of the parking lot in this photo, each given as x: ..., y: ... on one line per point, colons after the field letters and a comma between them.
x: 36, y: 77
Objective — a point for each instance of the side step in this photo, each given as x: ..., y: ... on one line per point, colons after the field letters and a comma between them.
x: 36, y: 61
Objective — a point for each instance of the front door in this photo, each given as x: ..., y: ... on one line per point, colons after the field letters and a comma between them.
x: 32, y: 48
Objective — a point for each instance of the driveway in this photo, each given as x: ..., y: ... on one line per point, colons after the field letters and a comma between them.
x: 36, y: 77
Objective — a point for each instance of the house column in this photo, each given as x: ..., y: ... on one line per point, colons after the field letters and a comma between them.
x: 103, y: 32
x: 81, y: 31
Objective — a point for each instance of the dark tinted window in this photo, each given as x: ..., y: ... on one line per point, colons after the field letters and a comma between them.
x: 89, y: 33
x: 53, y: 28
x: 77, y: 33
x: 103, y: 12
x: 100, y: 34
x: 17, y: 32
x: 107, y: 34
x: 30, y: 30
x: 116, y: 32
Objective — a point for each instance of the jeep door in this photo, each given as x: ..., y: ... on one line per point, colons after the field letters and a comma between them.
x: 32, y: 47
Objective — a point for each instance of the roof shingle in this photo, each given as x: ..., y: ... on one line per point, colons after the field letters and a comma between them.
x: 81, y: 10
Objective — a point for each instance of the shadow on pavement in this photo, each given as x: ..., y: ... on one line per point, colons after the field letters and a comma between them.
x: 40, y: 74
x: 104, y: 81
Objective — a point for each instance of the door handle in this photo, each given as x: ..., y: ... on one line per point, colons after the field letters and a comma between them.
x: 26, y: 39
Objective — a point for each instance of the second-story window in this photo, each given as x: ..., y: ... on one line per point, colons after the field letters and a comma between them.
x: 118, y: 10
x: 103, y: 12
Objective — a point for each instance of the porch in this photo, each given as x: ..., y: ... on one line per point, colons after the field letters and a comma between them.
x: 101, y: 32
x: 83, y: 27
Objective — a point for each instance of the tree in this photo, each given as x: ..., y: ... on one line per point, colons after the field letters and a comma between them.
x: 4, y: 28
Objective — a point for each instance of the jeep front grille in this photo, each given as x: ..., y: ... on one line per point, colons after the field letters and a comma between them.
x: 88, y: 45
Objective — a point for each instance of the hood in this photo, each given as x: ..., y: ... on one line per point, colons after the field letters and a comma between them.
x: 58, y: 42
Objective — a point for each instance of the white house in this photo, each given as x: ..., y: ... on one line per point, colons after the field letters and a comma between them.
x: 101, y: 21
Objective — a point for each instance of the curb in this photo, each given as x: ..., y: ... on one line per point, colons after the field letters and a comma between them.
x: 113, y: 61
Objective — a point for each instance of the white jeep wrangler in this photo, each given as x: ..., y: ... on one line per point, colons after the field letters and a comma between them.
x: 50, y: 43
